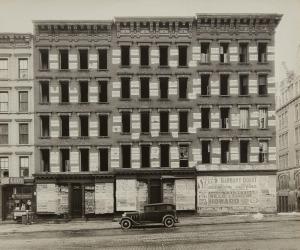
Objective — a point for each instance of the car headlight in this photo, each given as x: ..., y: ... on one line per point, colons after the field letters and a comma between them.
x: 124, y: 214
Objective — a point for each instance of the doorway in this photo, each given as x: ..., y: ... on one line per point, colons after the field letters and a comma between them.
x: 77, y: 201
x: 155, y: 191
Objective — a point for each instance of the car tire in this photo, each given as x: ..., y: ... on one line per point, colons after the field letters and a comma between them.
x: 169, y: 222
x: 126, y: 224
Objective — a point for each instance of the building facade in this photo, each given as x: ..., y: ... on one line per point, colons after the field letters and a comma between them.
x: 155, y: 109
x: 288, y: 139
x: 16, y: 123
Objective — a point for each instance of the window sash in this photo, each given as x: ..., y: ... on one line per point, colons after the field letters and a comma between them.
x: 23, y: 64
x: 3, y: 163
x: 244, y: 118
x: 3, y: 64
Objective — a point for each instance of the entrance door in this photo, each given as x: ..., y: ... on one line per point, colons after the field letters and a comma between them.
x: 77, y: 201
x: 155, y: 191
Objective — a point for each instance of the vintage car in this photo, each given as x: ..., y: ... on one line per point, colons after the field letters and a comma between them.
x: 153, y: 213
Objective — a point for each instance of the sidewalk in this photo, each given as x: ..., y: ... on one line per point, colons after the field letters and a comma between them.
x: 8, y: 228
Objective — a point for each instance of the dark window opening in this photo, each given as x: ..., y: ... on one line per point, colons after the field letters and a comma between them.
x: 126, y: 122
x: 64, y: 58
x: 224, y: 86
x: 65, y: 160
x: 164, y: 155
x: 182, y: 53
x: 205, y: 117
x: 84, y: 160
x: 205, y: 89
x: 262, y: 85
x: 83, y: 59
x: 224, y: 152
x: 224, y: 117
x: 84, y: 125
x: 244, y: 89
x: 164, y: 121
x: 44, y: 92
x: 44, y: 59
x: 102, y: 58
x: 155, y: 195
x: 103, y: 125
x: 243, y: 52
x: 204, y: 52
x: 164, y: 87
x: 183, y: 156
x: 244, y: 147
x: 205, y: 146
x: 125, y: 87
x: 126, y: 156
x: 103, y: 154
x: 45, y: 160
x: 102, y: 91
x: 224, y: 52
x: 125, y: 55
x: 262, y: 52
x: 144, y: 55
x: 64, y: 90
x: 145, y: 121
x: 163, y: 55
x: 145, y: 156
x: 45, y: 126
x: 145, y: 87
x: 65, y: 129
x: 84, y: 91
x: 183, y: 122
x: 183, y: 87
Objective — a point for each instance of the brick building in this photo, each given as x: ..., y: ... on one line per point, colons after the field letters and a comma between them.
x: 156, y: 109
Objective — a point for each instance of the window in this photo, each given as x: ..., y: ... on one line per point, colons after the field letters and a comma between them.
x: 84, y: 159
x: 205, y: 147
x: 24, y: 166
x: 4, y: 170
x: 244, y: 118
x: 224, y: 113
x: 205, y: 89
x: 144, y: 81
x: 182, y: 82
x: 262, y: 85
x: 262, y: 52
x: 224, y: 152
x: 64, y: 92
x: 126, y: 156
x: 164, y: 87
x: 205, y: 117
x: 125, y: 88
x: 182, y: 54
x: 102, y: 57
x: 64, y: 59
x: 44, y: 92
x: 64, y: 159
x: 103, y: 125
x: 183, y: 121
x: 125, y: 55
x: 3, y: 133
x: 183, y: 156
x: 224, y: 52
x: 45, y: 160
x: 23, y: 101
x: 263, y: 152
x: 263, y: 118
x: 204, y: 53
x: 164, y: 155
x: 163, y: 55
x: 145, y: 122
x: 84, y: 125
x: 224, y: 86
x: 45, y: 124
x: 23, y: 133
x: 164, y: 121
x: 145, y: 156
x: 243, y: 84
x: 298, y: 159
x: 3, y: 101
x: 102, y: 91
x: 83, y: 59
x: 126, y: 122
x: 244, y: 151
x: 23, y: 68
x: 103, y: 155
x: 84, y: 91
x: 44, y: 59
x: 3, y: 68
x: 243, y: 52
x: 144, y: 51
x: 65, y: 127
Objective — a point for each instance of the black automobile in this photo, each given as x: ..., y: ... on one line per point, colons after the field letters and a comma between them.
x: 153, y: 213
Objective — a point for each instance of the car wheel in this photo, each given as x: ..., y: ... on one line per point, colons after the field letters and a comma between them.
x: 169, y: 222
x: 126, y: 224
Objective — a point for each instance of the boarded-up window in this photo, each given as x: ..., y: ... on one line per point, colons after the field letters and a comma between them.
x: 244, y: 118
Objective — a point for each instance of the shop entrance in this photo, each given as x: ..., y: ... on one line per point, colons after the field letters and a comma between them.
x: 155, y: 191
x: 77, y: 201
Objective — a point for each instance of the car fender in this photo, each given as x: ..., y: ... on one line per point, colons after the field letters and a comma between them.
x: 128, y: 218
x: 166, y: 216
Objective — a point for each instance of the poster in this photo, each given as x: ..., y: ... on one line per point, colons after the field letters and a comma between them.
x: 62, y: 199
x: 46, y: 198
x: 168, y: 192
x: 185, y: 194
x: 126, y: 193
x: 89, y: 199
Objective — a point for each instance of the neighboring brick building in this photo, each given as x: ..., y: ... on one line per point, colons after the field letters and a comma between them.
x: 16, y: 123
x: 156, y: 109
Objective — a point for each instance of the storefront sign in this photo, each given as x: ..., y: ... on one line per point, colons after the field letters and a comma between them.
x: 12, y: 180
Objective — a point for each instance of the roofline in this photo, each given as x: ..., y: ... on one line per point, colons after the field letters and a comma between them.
x: 71, y: 21
x: 15, y: 33
x: 239, y: 14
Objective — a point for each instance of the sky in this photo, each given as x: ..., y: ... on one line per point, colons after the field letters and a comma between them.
x: 17, y: 16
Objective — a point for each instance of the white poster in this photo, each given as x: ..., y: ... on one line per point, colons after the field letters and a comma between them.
x: 185, y: 194
x: 104, y: 198
x: 126, y: 193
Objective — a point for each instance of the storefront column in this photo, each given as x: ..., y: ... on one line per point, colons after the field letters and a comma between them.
x: 1, y: 201
x: 70, y: 200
